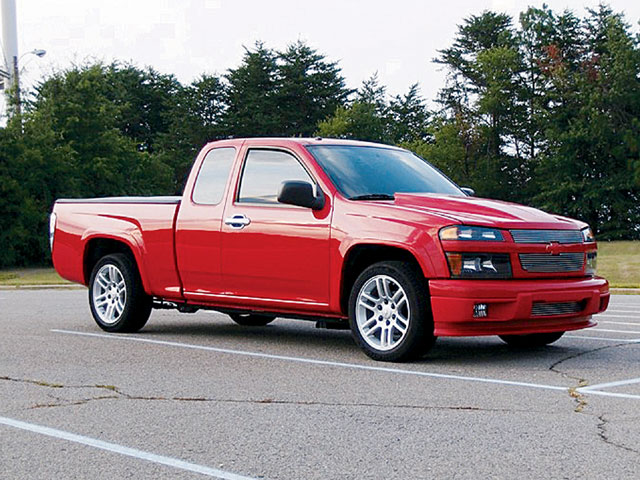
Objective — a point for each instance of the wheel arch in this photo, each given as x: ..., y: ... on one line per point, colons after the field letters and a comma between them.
x: 97, y: 247
x: 360, y: 256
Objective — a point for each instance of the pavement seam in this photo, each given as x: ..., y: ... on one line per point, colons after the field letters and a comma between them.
x: 574, y: 392
x: 119, y: 394
x: 604, y: 436
x: 580, y: 399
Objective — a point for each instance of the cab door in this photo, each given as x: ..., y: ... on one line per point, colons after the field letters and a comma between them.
x: 198, y: 225
x: 274, y: 255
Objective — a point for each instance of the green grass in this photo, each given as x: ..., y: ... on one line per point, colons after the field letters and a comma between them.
x: 618, y: 262
x: 31, y: 276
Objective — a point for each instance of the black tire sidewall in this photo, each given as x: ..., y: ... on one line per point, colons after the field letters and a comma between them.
x: 419, y: 336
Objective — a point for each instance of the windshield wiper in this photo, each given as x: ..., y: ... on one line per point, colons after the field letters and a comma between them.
x: 373, y: 196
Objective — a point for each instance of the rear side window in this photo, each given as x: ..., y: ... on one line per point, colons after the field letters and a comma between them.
x: 264, y: 171
x: 213, y: 176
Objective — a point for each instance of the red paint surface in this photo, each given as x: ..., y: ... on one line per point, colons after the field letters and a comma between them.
x: 290, y: 259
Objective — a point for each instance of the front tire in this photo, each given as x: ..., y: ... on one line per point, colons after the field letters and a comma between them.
x: 117, y: 298
x: 389, y: 312
x: 533, y: 340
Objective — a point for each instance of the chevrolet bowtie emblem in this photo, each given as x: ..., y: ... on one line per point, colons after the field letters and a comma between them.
x: 553, y: 248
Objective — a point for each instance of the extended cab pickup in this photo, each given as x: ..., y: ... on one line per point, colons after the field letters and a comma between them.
x: 344, y: 232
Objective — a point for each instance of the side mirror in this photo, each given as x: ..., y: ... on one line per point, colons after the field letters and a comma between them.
x: 469, y: 192
x: 295, y: 192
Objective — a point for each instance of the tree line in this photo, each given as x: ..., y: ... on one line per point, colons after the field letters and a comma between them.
x: 543, y: 110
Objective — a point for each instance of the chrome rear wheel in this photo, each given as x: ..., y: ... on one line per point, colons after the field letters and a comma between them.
x: 109, y: 294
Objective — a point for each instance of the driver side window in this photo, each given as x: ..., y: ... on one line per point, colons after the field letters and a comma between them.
x: 263, y: 173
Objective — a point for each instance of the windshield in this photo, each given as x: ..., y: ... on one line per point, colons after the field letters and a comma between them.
x: 378, y: 172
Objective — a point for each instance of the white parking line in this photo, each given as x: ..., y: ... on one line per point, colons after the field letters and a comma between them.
x: 313, y: 361
x: 604, y: 339
x: 637, y: 312
x: 615, y: 331
x: 598, y: 389
x: 601, y: 315
x: 122, y: 450
x: 636, y: 324
x: 619, y: 383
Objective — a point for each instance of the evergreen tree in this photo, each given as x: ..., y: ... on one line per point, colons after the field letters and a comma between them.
x: 145, y: 98
x: 309, y: 89
x: 408, y: 117
x: 482, y: 99
x: 366, y: 118
x: 196, y: 118
x: 252, y: 95
x: 593, y: 136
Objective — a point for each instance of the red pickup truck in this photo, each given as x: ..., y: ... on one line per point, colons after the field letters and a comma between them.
x: 346, y: 233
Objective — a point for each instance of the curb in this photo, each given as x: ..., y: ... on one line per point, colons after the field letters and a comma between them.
x: 625, y: 291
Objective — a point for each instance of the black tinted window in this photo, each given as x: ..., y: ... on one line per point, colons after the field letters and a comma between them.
x: 264, y: 171
x: 213, y: 176
x: 361, y: 170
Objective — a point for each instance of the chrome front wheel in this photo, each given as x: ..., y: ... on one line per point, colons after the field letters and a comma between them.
x: 382, y: 312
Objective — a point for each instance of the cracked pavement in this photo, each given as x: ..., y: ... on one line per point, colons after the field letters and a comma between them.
x: 271, y: 418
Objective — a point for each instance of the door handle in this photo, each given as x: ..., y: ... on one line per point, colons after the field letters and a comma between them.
x: 237, y: 221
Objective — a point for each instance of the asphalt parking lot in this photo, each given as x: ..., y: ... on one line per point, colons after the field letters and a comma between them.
x: 197, y: 395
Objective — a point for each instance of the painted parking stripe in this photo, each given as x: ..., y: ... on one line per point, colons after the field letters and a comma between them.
x: 634, y: 324
x: 631, y: 332
x: 122, y: 450
x: 603, y: 393
x: 635, y: 311
x: 604, y: 339
x: 599, y: 388
x: 618, y: 383
x: 603, y: 315
x: 313, y: 361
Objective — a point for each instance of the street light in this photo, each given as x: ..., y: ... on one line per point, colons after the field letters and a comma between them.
x: 38, y: 52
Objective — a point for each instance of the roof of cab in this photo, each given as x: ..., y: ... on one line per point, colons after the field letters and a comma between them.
x: 273, y: 141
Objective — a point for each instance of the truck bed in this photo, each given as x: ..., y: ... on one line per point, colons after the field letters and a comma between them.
x: 145, y: 224
x: 167, y: 200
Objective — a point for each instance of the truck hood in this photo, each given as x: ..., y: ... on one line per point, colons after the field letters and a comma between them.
x: 484, y: 211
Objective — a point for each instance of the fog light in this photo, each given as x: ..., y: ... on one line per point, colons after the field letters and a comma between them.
x: 480, y: 310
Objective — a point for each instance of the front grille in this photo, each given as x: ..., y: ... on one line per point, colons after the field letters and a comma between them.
x: 547, y: 263
x: 546, y: 236
x: 562, y: 308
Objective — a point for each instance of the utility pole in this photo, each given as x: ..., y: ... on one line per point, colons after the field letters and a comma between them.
x: 10, y: 49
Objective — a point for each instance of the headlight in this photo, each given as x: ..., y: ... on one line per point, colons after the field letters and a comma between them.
x: 479, y: 265
x: 52, y: 228
x: 463, y: 232
x: 592, y: 261
x: 588, y: 236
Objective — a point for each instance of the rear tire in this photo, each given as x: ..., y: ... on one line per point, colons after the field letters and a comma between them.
x: 533, y: 340
x: 389, y: 312
x: 251, y: 319
x: 117, y: 298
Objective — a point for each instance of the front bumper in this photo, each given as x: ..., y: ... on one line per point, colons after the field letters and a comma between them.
x: 510, y: 303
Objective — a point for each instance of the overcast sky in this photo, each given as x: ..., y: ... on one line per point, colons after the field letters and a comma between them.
x: 396, y: 38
